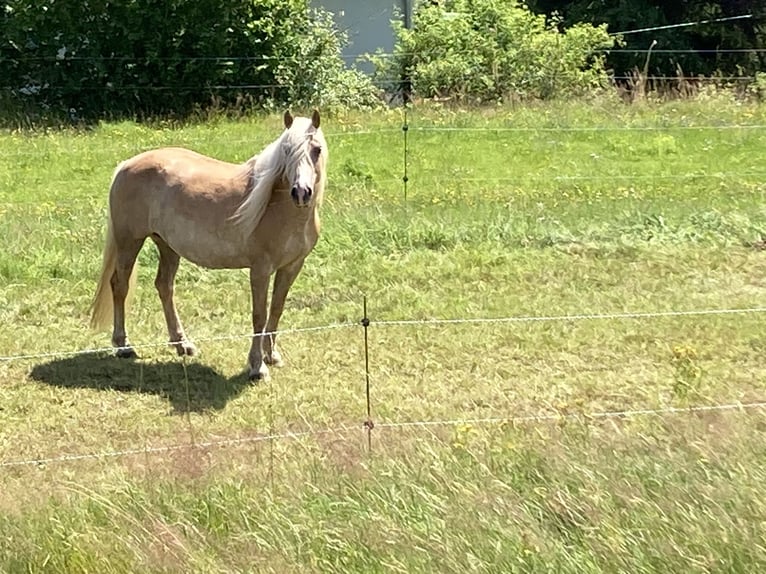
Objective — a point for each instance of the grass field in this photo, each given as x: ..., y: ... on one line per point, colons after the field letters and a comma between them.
x: 536, y: 211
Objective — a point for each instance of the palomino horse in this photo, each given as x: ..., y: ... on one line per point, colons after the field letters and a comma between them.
x: 261, y: 215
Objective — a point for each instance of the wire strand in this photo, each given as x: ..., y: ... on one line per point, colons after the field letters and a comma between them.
x: 218, y: 338
x: 36, y: 89
x: 70, y: 150
x: 351, y: 56
x: 414, y: 322
x: 682, y: 25
x: 170, y: 448
x: 587, y: 128
x: 33, y: 89
x: 431, y: 178
x: 569, y: 416
x: 687, y: 50
x: 574, y: 317
x: 630, y: 413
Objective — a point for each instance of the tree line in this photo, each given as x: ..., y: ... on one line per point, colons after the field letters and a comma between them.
x: 136, y: 58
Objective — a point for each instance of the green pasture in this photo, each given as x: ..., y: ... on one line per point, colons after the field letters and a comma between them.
x: 565, y: 209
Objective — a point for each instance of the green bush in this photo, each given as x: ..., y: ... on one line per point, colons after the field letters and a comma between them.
x: 490, y: 50
x: 311, y: 70
x: 96, y: 58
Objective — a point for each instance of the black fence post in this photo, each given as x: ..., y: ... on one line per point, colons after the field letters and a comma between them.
x: 368, y: 424
x: 405, y: 131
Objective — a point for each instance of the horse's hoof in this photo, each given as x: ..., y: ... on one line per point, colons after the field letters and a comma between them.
x: 126, y: 353
x: 261, y: 374
x: 185, y: 348
x: 275, y: 360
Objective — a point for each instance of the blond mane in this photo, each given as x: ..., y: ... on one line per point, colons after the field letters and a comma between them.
x: 270, y: 166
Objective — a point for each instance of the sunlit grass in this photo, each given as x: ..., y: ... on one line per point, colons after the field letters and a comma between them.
x: 538, y: 211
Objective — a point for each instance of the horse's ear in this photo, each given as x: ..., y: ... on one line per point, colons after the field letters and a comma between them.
x: 288, y: 119
x: 315, y: 119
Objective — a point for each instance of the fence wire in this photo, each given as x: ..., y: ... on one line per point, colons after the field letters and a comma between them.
x: 167, y: 449
x: 413, y: 322
x: 351, y: 57
x: 165, y: 343
x: 253, y: 142
x: 625, y: 414
x: 683, y: 25
x: 524, y: 129
x: 35, y: 89
x: 367, y: 426
x: 421, y: 181
x: 182, y: 140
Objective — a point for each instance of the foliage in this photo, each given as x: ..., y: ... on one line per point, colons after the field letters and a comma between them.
x: 484, y: 50
x: 100, y: 58
x: 759, y: 85
x: 698, y: 47
x: 311, y: 71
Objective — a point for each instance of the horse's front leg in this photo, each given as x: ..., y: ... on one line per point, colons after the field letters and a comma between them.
x: 259, y: 286
x: 282, y: 283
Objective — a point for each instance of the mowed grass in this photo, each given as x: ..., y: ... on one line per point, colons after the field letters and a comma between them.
x: 568, y: 209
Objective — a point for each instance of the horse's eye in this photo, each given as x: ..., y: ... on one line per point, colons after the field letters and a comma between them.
x: 315, y: 151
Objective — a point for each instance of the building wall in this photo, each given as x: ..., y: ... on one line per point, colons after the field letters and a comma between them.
x: 367, y: 22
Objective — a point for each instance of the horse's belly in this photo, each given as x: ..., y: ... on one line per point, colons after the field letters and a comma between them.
x: 223, y: 246
x: 211, y: 260
x: 208, y: 249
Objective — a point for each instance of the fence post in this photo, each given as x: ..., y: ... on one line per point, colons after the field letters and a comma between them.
x: 368, y: 424
x: 405, y: 130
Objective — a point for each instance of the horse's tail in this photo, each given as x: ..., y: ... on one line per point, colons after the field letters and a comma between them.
x: 102, y: 308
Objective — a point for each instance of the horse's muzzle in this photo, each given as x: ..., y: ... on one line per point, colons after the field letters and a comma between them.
x: 301, y: 195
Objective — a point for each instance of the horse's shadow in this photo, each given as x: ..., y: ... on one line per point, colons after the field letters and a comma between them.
x: 189, y: 387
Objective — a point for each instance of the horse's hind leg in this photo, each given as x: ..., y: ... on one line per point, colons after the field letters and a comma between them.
x: 164, y: 282
x: 120, y: 282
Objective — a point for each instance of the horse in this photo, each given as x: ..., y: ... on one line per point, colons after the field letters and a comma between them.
x: 262, y: 215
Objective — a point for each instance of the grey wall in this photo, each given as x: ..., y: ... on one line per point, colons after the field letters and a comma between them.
x: 368, y: 23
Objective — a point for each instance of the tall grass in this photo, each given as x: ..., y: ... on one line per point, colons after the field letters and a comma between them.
x: 560, y: 209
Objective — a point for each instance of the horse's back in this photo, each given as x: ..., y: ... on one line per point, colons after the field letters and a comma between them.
x: 177, y: 194
x: 178, y: 174
x: 171, y: 166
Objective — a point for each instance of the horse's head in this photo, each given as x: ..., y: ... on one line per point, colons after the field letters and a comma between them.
x: 305, y: 152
